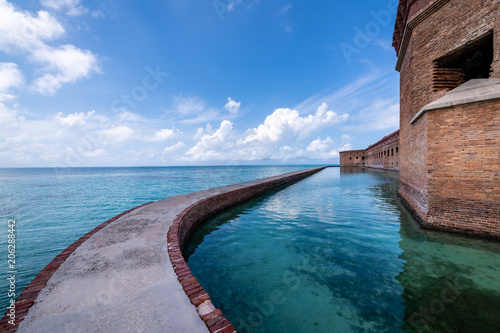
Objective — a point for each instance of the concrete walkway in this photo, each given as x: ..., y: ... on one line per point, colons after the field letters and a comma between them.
x: 121, y: 278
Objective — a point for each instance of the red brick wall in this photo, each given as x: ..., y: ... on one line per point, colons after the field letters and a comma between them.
x: 464, y: 168
x: 450, y: 27
x: 352, y: 158
x: 385, y: 153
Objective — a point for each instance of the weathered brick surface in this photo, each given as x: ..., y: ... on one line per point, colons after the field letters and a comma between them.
x: 30, y: 293
x: 192, y: 217
x: 350, y: 158
x: 438, y: 179
x: 384, y: 153
x: 464, y: 168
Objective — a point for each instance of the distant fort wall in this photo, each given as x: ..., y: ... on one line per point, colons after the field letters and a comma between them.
x: 351, y: 158
x: 384, y: 154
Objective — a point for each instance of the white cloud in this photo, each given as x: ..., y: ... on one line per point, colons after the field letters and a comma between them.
x: 193, y: 110
x: 25, y: 31
x: 30, y: 33
x: 8, y: 117
x: 118, y: 134
x: 285, y: 9
x: 279, y: 137
x: 77, y: 118
x: 95, y: 153
x: 213, y: 147
x: 382, y: 114
x: 287, y: 122
x: 346, y: 139
x: 162, y: 135
x: 232, y: 106
x: 141, y: 155
x: 128, y: 116
x: 320, y: 145
x: 232, y: 5
x: 349, y: 96
x: 174, y: 147
x: 201, y: 131
x: 97, y: 14
x: 10, y: 76
x: 188, y: 105
x: 65, y: 64
x: 79, y: 139
x: 72, y: 7
x: 322, y: 149
x: 318, y: 149
x: 87, y: 138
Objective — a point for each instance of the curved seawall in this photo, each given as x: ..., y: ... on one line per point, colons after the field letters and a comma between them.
x: 190, y: 218
x: 123, y: 275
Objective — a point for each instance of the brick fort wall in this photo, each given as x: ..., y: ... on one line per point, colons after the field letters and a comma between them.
x: 425, y: 31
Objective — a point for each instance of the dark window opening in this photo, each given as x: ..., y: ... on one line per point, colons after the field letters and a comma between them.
x: 392, y: 151
x: 356, y: 157
x: 363, y: 158
x: 471, y: 61
x: 397, y: 150
x: 350, y: 158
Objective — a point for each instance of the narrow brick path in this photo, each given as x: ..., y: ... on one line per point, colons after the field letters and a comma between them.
x: 120, y: 278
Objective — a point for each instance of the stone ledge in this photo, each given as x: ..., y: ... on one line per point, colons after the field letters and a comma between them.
x: 28, y: 296
x: 473, y: 91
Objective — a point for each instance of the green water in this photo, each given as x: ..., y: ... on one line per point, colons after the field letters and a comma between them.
x: 337, y: 252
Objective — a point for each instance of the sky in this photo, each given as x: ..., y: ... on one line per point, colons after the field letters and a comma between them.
x: 194, y: 82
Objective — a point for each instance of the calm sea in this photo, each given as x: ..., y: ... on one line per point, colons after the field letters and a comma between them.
x: 54, y: 207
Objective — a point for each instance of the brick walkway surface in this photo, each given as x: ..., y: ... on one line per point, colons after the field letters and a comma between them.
x: 120, y: 278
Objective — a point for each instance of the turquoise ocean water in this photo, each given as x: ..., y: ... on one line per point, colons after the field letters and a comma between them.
x: 337, y: 252
x: 55, y: 207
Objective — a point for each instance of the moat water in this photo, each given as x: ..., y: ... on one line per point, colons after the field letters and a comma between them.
x: 337, y: 252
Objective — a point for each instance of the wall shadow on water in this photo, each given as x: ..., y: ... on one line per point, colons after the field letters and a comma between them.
x: 451, y: 283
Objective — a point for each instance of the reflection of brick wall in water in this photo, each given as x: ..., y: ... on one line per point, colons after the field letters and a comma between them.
x: 448, y: 154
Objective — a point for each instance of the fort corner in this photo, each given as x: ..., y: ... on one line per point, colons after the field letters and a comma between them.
x: 449, y: 139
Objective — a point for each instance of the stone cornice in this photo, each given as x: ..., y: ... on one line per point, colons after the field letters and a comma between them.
x: 415, y: 20
x: 473, y: 91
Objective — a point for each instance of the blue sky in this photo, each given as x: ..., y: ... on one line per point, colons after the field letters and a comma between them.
x: 194, y: 82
